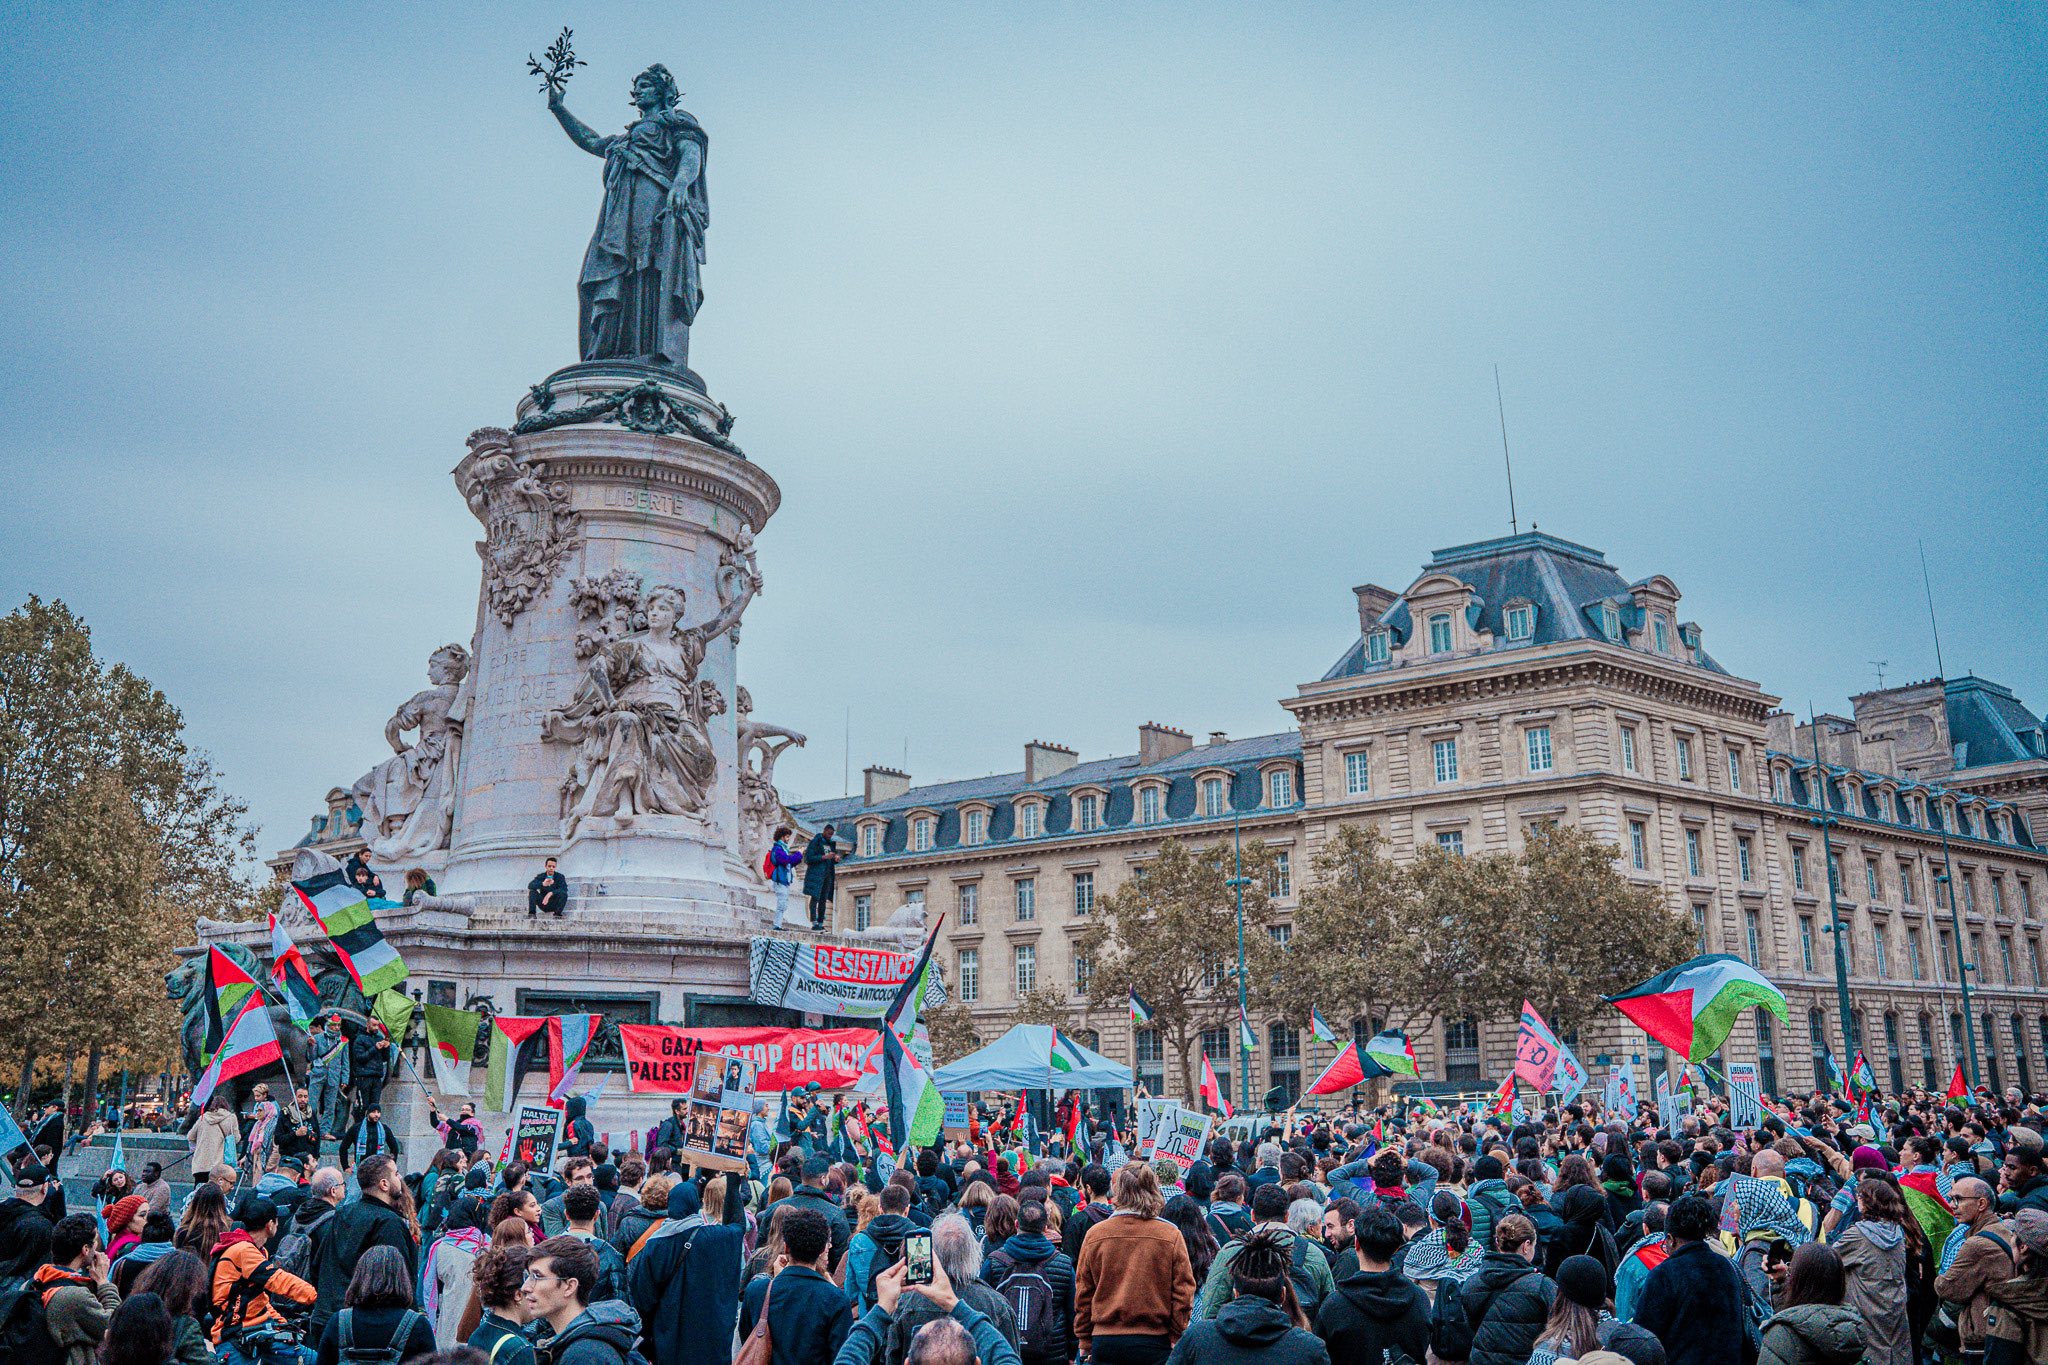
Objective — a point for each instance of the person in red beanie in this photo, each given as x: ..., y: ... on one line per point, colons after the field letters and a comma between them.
x: 124, y: 1219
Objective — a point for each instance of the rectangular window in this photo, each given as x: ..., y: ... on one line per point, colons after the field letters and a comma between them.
x: 1695, y: 861
x: 1947, y: 954
x: 1440, y: 634
x: 1376, y: 649
x: 968, y: 898
x: 1539, y: 749
x: 1357, y: 773
x: 1745, y: 858
x: 1638, y: 846
x: 1030, y: 820
x: 1661, y: 633
x: 1521, y: 622
x: 863, y: 913
x: 870, y: 840
x: 1699, y: 926
x: 1628, y: 748
x: 1997, y: 894
x: 1836, y: 882
x: 1280, y: 787
x: 1879, y: 941
x: 1446, y: 754
x: 921, y: 834
x: 1610, y: 623
x: 1215, y: 974
x: 1906, y: 891
x: 1087, y: 812
x: 1684, y: 750
x: 1969, y: 894
x: 2034, y: 952
x: 1212, y: 797
x: 1148, y: 1047
x: 2026, y: 898
x: 974, y: 827
x: 1870, y: 879
x: 1084, y: 893
x: 1451, y: 841
x: 1281, y: 934
x: 2005, y: 971
x: 1027, y: 968
x: 1806, y: 943
x: 1148, y: 806
x: 1735, y: 770
x: 1281, y: 881
x: 970, y: 975
x: 1026, y: 892
x: 1915, y: 959
x: 1753, y: 933
x: 1780, y: 789
x: 1941, y: 889
x: 1083, y: 972
x: 1798, y: 867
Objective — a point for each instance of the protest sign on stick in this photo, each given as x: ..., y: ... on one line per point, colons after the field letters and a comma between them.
x: 715, y: 1118
x: 1745, y: 1095
x: 536, y: 1135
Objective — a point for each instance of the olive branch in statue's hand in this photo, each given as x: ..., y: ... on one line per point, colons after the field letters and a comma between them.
x: 560, y: 63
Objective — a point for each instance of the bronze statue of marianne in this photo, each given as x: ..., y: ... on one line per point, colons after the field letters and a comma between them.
x: 643, y: 275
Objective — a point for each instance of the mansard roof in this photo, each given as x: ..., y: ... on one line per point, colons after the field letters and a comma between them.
x: 1988, y: 725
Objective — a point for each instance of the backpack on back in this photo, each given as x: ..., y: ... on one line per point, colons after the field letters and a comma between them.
x: 888, y: 1250
x: 294, y: 1251
x: 24, y: 1327
x: 1304, y: 1283
x: 1030, y: 1296
x: 389, y: 1354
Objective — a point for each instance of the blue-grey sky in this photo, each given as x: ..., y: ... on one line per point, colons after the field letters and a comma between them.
x: 1099, y: 349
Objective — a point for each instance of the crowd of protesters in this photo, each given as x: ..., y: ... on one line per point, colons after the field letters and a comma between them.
x: 1915, y: 1234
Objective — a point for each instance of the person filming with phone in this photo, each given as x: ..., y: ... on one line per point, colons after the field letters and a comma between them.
x: 956, y: 1334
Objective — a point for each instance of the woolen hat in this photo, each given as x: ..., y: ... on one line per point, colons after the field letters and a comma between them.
x: 119, y: 1213
x: 1868, y: 1158
x: 1584, y: 1281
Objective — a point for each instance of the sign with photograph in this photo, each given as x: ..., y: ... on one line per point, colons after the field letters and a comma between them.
x: 536, y: 1134
x: 660, y: 1057
x: 721, y: 1101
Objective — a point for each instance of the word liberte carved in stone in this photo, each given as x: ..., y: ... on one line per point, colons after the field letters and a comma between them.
x: 641, y: 718
x: 528, y: 526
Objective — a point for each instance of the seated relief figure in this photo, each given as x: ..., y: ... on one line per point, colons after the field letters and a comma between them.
x: 408, y: 800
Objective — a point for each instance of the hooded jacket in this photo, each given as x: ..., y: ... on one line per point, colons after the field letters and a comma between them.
x: 76, y: 1309
x: 2016, y: 1327
x: 1034, y: 1253
x: 1247, y: 1331
x: 1813, y: 1334
x: 686, y: 1285
x: 602, y: 1334
x: 873, y: 1242
x: 1374, y: 1313
x: 1874, y: 1256
x: 1494, y: 1317
x: 1583, y: 1212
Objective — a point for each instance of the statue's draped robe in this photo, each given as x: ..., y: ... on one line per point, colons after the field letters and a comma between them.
x: 643, y: 274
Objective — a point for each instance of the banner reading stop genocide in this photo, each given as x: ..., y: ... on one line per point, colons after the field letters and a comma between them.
x: 660, y: 1057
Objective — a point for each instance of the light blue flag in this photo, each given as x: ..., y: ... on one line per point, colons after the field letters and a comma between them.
x: 11, y: 1135
x: 119, y: 1160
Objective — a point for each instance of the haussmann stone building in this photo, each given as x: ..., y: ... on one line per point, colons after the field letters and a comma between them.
x: 1517, y: 681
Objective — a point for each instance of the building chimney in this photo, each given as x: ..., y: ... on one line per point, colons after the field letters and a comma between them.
x: 1217, y: 737
x: 1157, y: 743
x: 883, y: 784
x: 1373, y: 600
x: 1042, y: 760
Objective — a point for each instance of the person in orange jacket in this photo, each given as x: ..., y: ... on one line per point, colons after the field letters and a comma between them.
x: 245, y: 1279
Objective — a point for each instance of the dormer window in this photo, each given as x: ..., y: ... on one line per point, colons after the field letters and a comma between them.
x: 921, y: 828
x: 974, y: 827
x: 1087, y: 812
x: 1151, y: 805
x: 1280, y: 787
x: 1030, y: 820
x: 1610, y: 622
x: 870, y: 840
x: 1377, y: 647
x: 1661, y: 634
x: 1212, y: 797
x: 1521, y: 621
x: 1440, y: 633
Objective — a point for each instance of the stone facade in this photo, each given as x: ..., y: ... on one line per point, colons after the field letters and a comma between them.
x: 1514, y: 682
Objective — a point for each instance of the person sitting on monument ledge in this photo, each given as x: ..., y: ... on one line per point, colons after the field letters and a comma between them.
x: 359, y: 875
x: 417, y: 884
x: 549, y: 891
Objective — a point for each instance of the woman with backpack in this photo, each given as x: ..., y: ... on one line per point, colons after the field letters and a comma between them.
x: 1262, y: 1322
x: 377, y: 1324
x: 501, y: 1333
x: 1495, y: 1316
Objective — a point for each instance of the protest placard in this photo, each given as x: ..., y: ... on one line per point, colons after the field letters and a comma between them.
x: 1745, y: 1095
x: 1152, y: 1116
x: 715, y: 1117
x: 536, y: 1133
x: 1182, y: 1139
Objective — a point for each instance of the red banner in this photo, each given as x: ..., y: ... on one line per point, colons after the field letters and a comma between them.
x: 661, y: 1057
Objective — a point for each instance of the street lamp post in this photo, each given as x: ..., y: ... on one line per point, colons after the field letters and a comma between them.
x: 1237, y: 882
x: 1824, y: 822
x: 1946, y: 878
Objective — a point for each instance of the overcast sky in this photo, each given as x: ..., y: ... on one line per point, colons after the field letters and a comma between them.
x: 1099, y: 349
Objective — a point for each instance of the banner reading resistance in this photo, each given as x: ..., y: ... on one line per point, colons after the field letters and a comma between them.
x: 857, y: 983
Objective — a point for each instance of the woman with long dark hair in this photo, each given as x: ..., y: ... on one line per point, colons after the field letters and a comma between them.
x: 1876, y: 1252
x: 377, y: 1311
x: 205, y: 1222
x: 180, y: 1282
x: 1193, y: 1223
x: 1813, y: 1327
x: 1000, y: 1226
x: 139, y: 1333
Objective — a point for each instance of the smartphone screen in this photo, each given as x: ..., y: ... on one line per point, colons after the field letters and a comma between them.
x: 917, y: 1258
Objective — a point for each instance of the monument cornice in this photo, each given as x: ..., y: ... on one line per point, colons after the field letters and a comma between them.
x: 640, y: 458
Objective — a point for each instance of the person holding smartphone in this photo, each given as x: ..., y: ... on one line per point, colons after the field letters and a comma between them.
x: 975, y: 1335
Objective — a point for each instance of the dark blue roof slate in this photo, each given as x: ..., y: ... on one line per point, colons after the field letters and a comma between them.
x: 1988, y: 725
x: 1801, y: 787
x: 1567, y: 583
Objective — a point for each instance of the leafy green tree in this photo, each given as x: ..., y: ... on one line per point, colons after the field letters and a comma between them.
x: 1043, y: 1005
x: 1357, y: 946
x: 1170, y: 934
x: 951, y: 1029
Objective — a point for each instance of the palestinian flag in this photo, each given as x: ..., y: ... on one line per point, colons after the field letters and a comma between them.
x: 1958, y: 1088
x: 1343, y: 1072
x: 916, y: 1109
x: 1862, y: 1080
x: 1392, y: 1053
x: 1212, y: 1093
x: 1504, y: 1100
x: 1835, y: 1077
x: 1141, y: 1013
x: 228, y: 988
x: 1247, y: 1040
x: 1320, y: 1027
x: 1066, y: 1054
x: 1424, y: 1104
x: 569, y: 1040
x: 288, y: 966
x: 518, y: 1045
x: 344, y: 916
x: 1929, y: 1208
x: 1692, y: 1008
x: 251, y: 1043
x: 451, y: 1042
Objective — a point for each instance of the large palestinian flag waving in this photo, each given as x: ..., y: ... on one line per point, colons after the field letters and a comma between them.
x: 344, y: 916
x: 1691, y: 1008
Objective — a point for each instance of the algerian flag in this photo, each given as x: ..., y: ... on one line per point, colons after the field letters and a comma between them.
x: 394, y: 1012
x: 1692, y: 1008
x: 451, y: 1042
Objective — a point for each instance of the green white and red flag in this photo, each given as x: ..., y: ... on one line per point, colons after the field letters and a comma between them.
x: 344, y: 915
x: 1692, y: 1008
x: 228, y: 988
x: 1343, y: 1072
x: 1958, y: 1088
x: 1320, y: 1027
x: 1503, y: 1102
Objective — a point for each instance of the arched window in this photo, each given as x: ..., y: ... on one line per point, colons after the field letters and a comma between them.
x: 1988, y: 1038
x: 1930, y: 1067
x: 2019, y: 1053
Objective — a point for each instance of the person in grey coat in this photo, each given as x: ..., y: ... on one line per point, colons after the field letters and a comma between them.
x: 327, y: 1083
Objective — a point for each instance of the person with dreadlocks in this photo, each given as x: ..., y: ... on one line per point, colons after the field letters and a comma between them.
x: 1263, y: 1321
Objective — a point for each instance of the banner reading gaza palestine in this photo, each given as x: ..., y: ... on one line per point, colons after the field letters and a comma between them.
x: 661, y: 1057
x: 856, y: 983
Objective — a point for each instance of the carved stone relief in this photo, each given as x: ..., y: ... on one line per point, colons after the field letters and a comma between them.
x: 528, y: 527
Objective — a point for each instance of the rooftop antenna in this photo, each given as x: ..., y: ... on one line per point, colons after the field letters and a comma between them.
x: 1927, y: 585
x: 1514, y: 525
x: 1880, y: 665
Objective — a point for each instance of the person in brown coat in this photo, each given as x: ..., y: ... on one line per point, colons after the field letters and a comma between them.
x: 1984, y: 1259
x: 1133, y: 1289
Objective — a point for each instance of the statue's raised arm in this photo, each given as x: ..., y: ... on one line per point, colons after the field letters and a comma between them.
x: 580, y: 133
x: 738, y: 579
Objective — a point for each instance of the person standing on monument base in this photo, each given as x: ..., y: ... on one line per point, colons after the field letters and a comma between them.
x: 327, y: 1093
x: 781, y: 859
x: 821, y: 872
x: 549, y: 891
